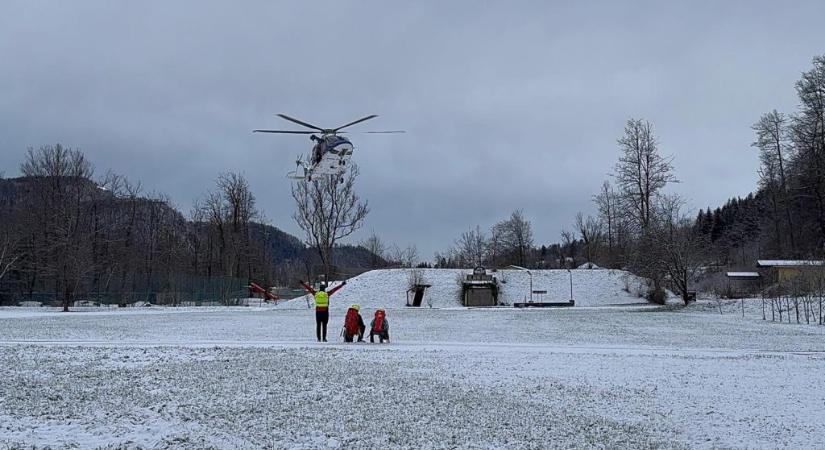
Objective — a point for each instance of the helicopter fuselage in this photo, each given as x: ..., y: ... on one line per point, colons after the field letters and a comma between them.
x: 330, y: 155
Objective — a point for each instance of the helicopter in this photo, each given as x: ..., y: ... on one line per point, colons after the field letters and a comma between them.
x: 331, y: 153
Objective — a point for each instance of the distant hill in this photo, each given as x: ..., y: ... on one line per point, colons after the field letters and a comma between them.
x: 284, y: 247
x: 280, y: 246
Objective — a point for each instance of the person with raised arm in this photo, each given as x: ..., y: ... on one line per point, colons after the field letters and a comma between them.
x: 321, y: 307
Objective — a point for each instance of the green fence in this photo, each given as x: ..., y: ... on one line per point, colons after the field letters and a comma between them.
x: 177, y: 290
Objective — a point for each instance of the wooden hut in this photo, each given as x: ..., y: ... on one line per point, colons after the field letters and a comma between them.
x: 743, y: 284
x: 786, y: 270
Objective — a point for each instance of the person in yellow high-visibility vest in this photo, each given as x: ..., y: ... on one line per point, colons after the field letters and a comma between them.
x: 321, y: 308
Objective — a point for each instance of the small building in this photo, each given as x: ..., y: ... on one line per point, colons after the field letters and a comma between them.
x: 418, y: 294
x: 788, y: 269
x: 479, y: 289
x: 743, y: 284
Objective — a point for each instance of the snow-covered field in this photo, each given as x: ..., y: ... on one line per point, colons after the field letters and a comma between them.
x: 387, y: 287
x: 618, y: 377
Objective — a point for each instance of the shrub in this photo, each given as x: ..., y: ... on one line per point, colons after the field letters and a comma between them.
x: 658, y: 296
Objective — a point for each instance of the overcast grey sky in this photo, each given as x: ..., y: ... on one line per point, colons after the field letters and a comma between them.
x: 507, y: 105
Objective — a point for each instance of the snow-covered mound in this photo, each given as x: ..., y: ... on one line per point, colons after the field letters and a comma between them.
x: 387, y: 288
x: 30, y: 304
x: 591, y: 287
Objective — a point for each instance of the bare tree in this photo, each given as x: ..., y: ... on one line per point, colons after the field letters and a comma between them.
x: 775, y: 148
x: 641, y: 175
x: 229, y: 210
x: 215, y: 213
x: 516, y: 237
x: 808, y: 136
x: 642, y: 171
x: 678, y: 252
x: 163, y: 237
x: 405, y: 257
x: 415, y: 278
x: 129, y: 248
x: 446, y: 260
x: 240, y: 202
x: 61, y: 213
x: 377, y: 248
x: 8, y: 255
x: 590, y: 231
x: 568, y: 239
x: 471, y: 247
x: 327, y: 211
x: 495, y: 247
x: 239, y: 206
x: 607, y: 202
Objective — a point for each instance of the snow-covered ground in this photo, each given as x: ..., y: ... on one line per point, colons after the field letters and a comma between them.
x: 388, y: 287
x: 618, y: 377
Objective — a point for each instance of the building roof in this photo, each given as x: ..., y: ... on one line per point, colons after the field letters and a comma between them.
x: 479, y: 282
x: 742, y: 274
x: 789, y: 263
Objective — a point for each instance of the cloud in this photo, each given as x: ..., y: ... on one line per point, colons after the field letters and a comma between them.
x: 506, y: 106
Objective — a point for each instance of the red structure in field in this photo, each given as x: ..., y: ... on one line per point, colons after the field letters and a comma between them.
x: 267, y: 295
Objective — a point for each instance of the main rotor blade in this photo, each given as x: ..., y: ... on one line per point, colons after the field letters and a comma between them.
x: 284, y: 131
x: 373, y: 116
x: 384, y: 132
x: 292, y: 119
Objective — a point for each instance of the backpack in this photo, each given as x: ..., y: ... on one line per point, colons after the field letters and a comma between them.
x: 378, y: 324
x: 351, y: 322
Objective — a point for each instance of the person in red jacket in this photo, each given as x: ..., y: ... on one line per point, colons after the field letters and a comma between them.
x: 321, y: 307
x: 380, y: 327
x: 353, y: 325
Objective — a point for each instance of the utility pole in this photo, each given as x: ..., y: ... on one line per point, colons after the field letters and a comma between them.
x: 531, y: 279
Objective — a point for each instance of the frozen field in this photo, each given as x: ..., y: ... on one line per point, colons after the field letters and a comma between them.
x: 621, y: 377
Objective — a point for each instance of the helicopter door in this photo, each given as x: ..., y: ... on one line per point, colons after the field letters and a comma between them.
x: 329, y: 165
x: 335, y: 158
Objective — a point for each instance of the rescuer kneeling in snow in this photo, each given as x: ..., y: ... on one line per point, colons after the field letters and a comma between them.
x: 321, y: 308
x: 354, y: 324
x: 380, y: 327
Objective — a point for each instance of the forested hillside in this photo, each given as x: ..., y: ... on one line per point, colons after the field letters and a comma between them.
x: 66, y: 235
x: 785, y: 217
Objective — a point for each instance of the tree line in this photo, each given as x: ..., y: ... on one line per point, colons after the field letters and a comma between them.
x: 66, y: 235
x: 785, y: 217
x: 640, y: 227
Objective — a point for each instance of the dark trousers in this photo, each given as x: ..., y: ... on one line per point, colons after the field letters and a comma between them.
x: 321, y: 319
x: 382, y: 336
x: 349, y: 337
